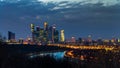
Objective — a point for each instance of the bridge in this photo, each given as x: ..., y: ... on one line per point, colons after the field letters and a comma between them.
x: 82, y: 47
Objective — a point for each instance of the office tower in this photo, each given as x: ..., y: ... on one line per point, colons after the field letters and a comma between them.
x: 37, y: 28
x: 11, y: 36
x: 118, y: 40
x: 62, y: 36
x: 80, y: 40
x: 45, y: 35
x: 33, y: 30
x: 56, y: 36
x: 53, y: 34
x: 50, y: 34
x: 113, y: 40
x: 38, y: 35
x: 21, y: 41
x: 89, y: 38
x: 45, y: 26
x: 73, y: 40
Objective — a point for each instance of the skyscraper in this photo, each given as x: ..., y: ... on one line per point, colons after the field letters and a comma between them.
x: 52, y: 31
x: 62, y: 36
x: 44, y: 35
x: 37, y: 28
x: 11, y: 36
x: 118, y: 40
x: 89, y: 38
x: 45, y: 26
x: 32, y: 27
x: 56, y: 36
x: 73, y: 40
x: 32, y: 30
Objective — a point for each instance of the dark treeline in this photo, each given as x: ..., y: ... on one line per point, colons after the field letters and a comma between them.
x: 38, y: 62
x: 7, y: 52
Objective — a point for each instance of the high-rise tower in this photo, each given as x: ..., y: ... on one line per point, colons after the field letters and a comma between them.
x: 32, y: 30
x: 45, y: 26
x: 62, y: 36
x: 11, y: 36
x: 32, y: 27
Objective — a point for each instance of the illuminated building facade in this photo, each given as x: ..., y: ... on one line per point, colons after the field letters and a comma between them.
x: 89, y: 38
x: 38, y: 35
x: 73, y: 40
x: 45, y: 26
x: 62, y: 36
x: 32, y: 27
x: 118, y: 40
x: 32, y: 30
x: 53, y: 34
x: 45, y: 35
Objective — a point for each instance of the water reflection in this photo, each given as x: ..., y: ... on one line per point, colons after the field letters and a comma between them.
x: 57, y: 55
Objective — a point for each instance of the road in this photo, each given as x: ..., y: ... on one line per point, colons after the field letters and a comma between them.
x: 84, y: 46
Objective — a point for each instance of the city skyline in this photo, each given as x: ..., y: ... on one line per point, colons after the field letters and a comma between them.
x: 76, y: 17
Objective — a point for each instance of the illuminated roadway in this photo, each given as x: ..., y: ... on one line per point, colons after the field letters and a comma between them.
x: 83, y: 46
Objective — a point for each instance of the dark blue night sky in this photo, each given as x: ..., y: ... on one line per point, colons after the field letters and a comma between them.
x: 79, y: 18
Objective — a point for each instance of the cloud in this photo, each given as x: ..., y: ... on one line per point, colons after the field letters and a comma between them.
x: 83, y: 2
x: 98, y: 16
